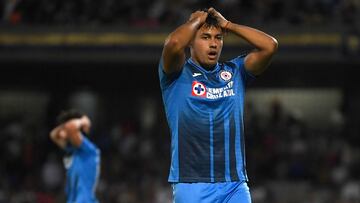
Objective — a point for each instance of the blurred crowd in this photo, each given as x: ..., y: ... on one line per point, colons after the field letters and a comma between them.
x: 283, y: 154
x: 321, y: 164
x: 287, y: 160
x: 134, y: 158
x: 143, y: 13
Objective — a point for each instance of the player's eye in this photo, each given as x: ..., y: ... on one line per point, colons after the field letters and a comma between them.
x: 205, y: 36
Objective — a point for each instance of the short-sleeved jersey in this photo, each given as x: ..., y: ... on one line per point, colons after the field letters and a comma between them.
x: 83, y: 169
x: 204, y: 110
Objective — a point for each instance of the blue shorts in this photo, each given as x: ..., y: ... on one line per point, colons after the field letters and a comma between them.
x: 229, y: 192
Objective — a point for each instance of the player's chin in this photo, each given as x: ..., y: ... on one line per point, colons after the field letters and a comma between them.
x: 211, y: 62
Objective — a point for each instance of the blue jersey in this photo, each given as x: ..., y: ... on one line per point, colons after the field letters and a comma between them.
x: 83, y: 169
x: 204, y: 110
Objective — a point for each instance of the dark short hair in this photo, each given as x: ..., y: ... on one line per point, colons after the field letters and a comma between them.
x: 211, y: 20
x: 65, y: 116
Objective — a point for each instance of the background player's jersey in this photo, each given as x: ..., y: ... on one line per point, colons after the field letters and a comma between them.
x: 83, y: 169
x: 204, y: 110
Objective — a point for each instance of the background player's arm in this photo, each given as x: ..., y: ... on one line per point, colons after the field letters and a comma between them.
x: 73, y: 131
x: 258, y: 60
x: 59, y: 137
x: 173, y: 54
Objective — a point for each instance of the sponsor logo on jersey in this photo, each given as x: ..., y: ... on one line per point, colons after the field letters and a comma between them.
x: 198, y: 89
x: 225, y: 75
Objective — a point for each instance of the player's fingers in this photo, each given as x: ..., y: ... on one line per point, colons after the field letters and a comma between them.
x: 197, y: 13
x: 213, y: 11
x: 201, y: 13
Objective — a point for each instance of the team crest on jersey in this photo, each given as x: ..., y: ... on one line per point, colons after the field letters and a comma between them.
x: 225, y: 75
x: 198, y: 89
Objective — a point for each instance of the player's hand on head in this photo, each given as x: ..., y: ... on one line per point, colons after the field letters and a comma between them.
x: 222, y: 20
x: 199, y: 15
x: 85, y: 124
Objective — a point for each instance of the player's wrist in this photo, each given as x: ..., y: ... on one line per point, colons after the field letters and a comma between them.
x: 227, y: 25
x: 196, y: 22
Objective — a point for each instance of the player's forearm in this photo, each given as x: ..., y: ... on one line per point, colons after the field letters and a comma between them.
x: 259, y: 39
x: 72, y: 128
x: 179, y: 39
x: 54, y: 133
x: 57, y: 137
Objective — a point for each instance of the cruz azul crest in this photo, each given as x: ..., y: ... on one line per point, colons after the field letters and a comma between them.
x: 198, y: 89
x: 225, y: 75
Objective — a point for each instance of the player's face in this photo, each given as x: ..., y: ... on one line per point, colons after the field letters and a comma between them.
x: 206, y: 46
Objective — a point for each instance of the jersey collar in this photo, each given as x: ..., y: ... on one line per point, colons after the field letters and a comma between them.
x: 203, y: 69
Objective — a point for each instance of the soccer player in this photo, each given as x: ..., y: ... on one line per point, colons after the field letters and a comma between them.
x: 204, y: 102
x: 83, y: 160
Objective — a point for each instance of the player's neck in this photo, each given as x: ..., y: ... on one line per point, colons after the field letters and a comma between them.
x: 208, y: 68
x: 204, y: 66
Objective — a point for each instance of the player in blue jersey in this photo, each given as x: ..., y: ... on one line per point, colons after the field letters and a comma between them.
x: 83, y: 157
x: 204, y: 105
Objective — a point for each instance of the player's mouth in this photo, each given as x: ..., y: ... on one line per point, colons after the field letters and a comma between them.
x: 212, y: 55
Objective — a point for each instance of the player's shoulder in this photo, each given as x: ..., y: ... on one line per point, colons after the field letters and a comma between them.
x: 168, y: 79
x: 88, y: 145
x: 237, y: 61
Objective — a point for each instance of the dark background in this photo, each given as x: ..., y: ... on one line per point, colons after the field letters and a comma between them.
x: 302, y: 114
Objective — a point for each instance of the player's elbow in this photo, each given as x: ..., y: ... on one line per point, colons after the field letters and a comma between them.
x: 52, y: 136
x: 273, y: 46
x: 173, y: 44
x: 54, y: 133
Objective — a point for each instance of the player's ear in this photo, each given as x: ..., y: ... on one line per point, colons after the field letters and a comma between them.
x: 191, y: 42
x: 190, y: 45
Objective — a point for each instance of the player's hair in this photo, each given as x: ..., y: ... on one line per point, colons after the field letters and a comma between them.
x: 211, y: 20
x: 65, y: 116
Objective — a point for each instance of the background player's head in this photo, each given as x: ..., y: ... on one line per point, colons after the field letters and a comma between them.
x: 68, y: 115
x: 207, y: 44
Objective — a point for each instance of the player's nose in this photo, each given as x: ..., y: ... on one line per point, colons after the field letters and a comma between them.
x: 213, y: 44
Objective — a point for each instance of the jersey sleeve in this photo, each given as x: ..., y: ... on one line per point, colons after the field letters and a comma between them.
x: 166, y: 79
x: 86, y: 145
x: 239, y: 62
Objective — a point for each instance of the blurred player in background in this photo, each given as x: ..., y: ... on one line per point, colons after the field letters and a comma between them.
x: 204, y: 104
x: 83, y: 157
